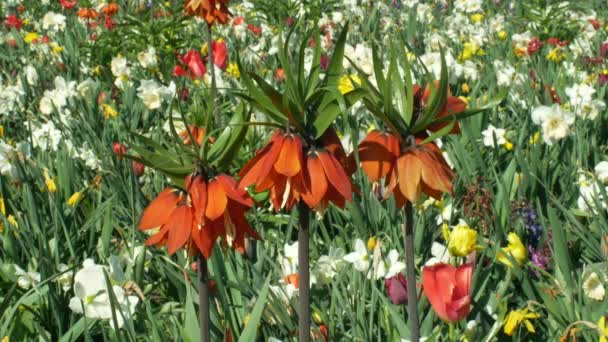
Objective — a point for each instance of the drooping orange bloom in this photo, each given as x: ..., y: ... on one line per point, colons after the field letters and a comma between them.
x: 453, y: 105
x: 293, y: 172
x: 198, y: 133
x: 448, y: 288
x: 110, y: 9
x: 196, y: 218
x: 409, y: 171
x: 210, y: 10
x: 87, y: 13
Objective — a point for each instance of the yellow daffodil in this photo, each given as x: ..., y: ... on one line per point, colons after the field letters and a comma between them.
x: 2, y: 207
x: 520, y: 52
x: 508, y: 145
x: 11, y: 219
x: 30, y: 37
x: 371, y: 243
x: 477, y: 17
x: 603, y: 329
x: 502, y: 35
x: 515, y: 249
x: 411, y: 56
x: 75, y: 198
x: 1, y: 131
x: 517, y: 317
x: 6, y: 339
x: 462, y: 240
x: 233, y: 70
x: 556, y: 55
x: 204, y: 49
x: 465, y: 88
x: 109, y: 112
x: 57, y: 49
x: 346, y: 83
x: 49, y: 182
x: 535, y: 138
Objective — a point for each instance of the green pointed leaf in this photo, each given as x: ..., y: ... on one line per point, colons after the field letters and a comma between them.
x: 329, y: 113
x: 250, y: 332
x: 224, y: 149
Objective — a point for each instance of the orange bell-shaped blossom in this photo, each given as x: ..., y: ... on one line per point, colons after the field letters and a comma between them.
x: 210, y: 209
x: 448, y: 289
x: 453, y: 105
x: 409, y: 171
x: 110, y: 9
x: 198, y: 133
x: 210, y: 10
x: 293, y: 172
x: 87, y: 13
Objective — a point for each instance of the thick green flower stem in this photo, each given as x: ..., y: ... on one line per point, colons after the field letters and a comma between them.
x: 412, y: 296
x: 304, y: 273
x: 203, y: 298
x: 216, y: 113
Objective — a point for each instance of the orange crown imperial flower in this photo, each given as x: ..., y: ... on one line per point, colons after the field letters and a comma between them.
x: 87, y: 13
x: 196, y: 218
x: 294, y: 172
x: 408, y: 170
x: 210, y: 10
x: 453, y: 105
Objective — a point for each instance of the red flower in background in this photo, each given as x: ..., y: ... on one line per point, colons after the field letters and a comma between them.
x: 119, y: 150
x: 256, y: 30
x: 68, y: 5
x: 220, y: 53
x: 12, y: 21
x: 449, y: 290
x: 534, y: 45
x: 396, y: 289
x: 194, y: 64
x: 196, y: 218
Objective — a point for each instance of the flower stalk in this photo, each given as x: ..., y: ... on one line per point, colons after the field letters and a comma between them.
x: 304, y: 273
x: 203, y: 298
x: 412, y: 297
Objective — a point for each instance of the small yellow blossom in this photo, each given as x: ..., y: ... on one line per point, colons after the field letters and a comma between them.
x: 57, y: 49
x: 411, y: 56
x: 2, y: 207
x: 1, y: 131
x: 246, y: 319
x: 30, y: 37
x: 502, y: 35
x: 75, y: 198
x: 233, y: 70
x: 445, y: 231
x: 515, y: 249
x: 97, y: 70
x: 109, y: 112
x: 462, y: 240
x: 517, y: 317
x: 6, y: 339
x: 11, y: 219
x: 556, y: 55
x: 50, y: 183
x: 508, y: 145
x: 316, y: 316
x: 466, y: 99
x: 465, y: 88
x: 346, y: 83
x: 535, y: 138
x: 603, y: 329
x: 520, y: 52
x: 26, y: 21
x: 477, y: 17
x: 371, y: 243
x: 204, y: 49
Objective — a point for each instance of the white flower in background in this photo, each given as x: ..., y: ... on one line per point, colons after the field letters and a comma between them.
x: 446, y: 215
x: 361, y: 55
x: 84, y: 88
x: 378, y: 265
x: 53, y: 21
x: 31, y: 75
x: 393, y: 265
x: 359, y: 257
x: 25, y: 279
x: 593, y: 287
x: 289, y: 259
x: 10, y: 97
x: 439, y: 253
x: 46, y: 137
x: 468, y: 6
x: 579, y: 94
x: 153, y: 93
x: 58, y: 97
x: 591, y: 110
x: 555, y: 122
x: 504, y: 73
x: 147, y: 58
x: 65, y: 279
x: 7, y: 154
x: 521, y: 40
x: 92, y: 297
x: 432, y: 61
x: 329, y: 265
x: 89, y: 158
x: 119, y: 67
x: 589, y: 193
x: 601, y: 171
x: 493, y: 137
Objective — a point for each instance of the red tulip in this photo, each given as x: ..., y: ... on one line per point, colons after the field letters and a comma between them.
x: 138, y: 168
x: 119, y: 149
x: 193, y: 61
x: 396, y: 288
x: 534, y: 45
x: 449, y: 290
x: 12, y: 21
x: 220, y: 54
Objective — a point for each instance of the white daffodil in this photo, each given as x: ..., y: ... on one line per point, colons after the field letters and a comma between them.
x: 493, y: 136
x: 25, y: 280
x: 7, y: 155
x: 359, y: 257
x: 147, y: 58
x: 152, y: 93
x: 601, y: 171
x: 555, y: 122
x: 440, y: 254
x: 329, y: 265
x: 46, y: 137
x: 93, y: 299
x: 65, y: 279
x: 593, y: 287
x: 393, y: 265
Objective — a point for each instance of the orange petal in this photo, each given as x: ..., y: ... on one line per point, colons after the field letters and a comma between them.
x: 197, y: 190
x: 179, y: 226
x: 217, y: 200
x: 331, y: 143
x: 336, y: 175
x: 408, y: 171
x: 159, y: 238
x: 289, y: 161
x: 314, y: 180
x: 208, y: 234
x: 433, y: 174
x: 230, y: 188
x: 157, y: 212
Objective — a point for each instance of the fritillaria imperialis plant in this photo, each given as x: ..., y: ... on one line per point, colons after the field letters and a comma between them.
x: 303, y: 163
x: 404, y: 154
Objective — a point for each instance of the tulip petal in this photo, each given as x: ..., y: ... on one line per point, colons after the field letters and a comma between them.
x: 158, y: 211
x: 217, y: 200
